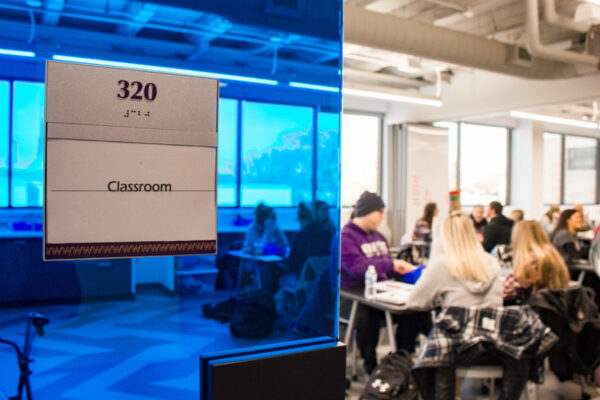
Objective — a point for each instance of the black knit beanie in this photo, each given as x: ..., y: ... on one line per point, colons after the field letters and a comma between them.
x: 367, y: 203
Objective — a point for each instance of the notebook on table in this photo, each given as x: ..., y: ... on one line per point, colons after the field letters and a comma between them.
x: 393, y: 292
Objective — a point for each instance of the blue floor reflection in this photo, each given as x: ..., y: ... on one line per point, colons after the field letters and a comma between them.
x: 146, y: 348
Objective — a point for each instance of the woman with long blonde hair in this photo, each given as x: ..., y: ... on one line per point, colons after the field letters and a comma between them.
x: 462, y: 275
x: 536, y: 263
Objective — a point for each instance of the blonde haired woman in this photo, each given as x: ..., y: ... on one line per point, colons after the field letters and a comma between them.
x: 536, y: 262
x: 462, y: 275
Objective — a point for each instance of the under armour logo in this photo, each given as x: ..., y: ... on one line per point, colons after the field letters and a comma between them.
x: 383, y: 387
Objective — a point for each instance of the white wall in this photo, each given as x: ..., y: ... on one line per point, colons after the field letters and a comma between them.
x: 481, y: 93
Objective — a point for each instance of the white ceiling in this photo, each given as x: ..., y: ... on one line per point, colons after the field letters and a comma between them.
x: 500, y: 20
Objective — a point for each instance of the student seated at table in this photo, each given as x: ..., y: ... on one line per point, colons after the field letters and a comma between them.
x: 564, y: 238
x: 361, y: 246
x: 479, y: 221
x: 550, y: 219
x: 498, y: 229
x: 536, y: 264
x: 516, y: 215
x: 321, y: 212
x: 422, y: 231
x: 462, y: 275
x: 264, y: 230
x: 313, y: 239
x: 262, y: 234
x: 586, y: 224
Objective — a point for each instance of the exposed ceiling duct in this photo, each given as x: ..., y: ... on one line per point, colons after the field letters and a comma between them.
x: 552, y: 17
x: 536, y: 48
x: 392, y: 33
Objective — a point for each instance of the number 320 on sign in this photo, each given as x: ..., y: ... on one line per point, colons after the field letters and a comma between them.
x: 137, y: 90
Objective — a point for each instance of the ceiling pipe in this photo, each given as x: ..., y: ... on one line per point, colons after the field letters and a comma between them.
x: 382, y: 77
x: 536, y: 48
x: 401, y: 35
x: 553, y: 18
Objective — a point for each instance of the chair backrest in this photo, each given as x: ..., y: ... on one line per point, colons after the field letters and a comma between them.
x: 311, y: 270
x: 594, y: 254
x: 573, y: 315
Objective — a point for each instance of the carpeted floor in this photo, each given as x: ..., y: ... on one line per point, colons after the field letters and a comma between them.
x: 141, y: 349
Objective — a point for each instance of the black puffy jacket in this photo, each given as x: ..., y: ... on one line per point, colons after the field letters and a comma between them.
x: 497, y: 231
x: 573, y: 315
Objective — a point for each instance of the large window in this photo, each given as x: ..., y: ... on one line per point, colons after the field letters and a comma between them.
x: 227, y: 165
x: 580, y: 170
x: 452, y: 152
x: 275, y: 142
x: 483, y: 163
x: 552, y: 168
x: 4, y: 110
x: 570, y: 169
x: 477, y: 161
x: 360, y: 155
x: 328, y: 173
x: 277, y: 154
x: 27, y: 147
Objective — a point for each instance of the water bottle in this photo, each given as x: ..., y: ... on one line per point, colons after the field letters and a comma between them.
x: 370, y: 280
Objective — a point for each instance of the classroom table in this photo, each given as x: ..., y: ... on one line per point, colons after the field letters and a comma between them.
x: 254, y: 258
x: 583, y: 266
x: 357, y: 295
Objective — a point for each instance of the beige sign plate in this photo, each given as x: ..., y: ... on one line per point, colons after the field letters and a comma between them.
x: 130, y: 166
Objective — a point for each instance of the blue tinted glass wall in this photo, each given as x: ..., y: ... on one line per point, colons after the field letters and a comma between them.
x: 4, y: 134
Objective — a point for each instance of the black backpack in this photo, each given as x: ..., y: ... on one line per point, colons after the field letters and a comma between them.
x: 253, y: 315
x: 391, y: 380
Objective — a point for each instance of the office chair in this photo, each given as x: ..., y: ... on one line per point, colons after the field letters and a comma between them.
x: 35, y: 325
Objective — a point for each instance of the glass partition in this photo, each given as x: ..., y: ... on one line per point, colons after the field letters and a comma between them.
x: 136, y: 328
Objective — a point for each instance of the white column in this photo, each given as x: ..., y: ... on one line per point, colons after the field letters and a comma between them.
x: 527, y: 168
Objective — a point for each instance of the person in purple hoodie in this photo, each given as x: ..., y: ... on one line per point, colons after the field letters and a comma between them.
x: 361, y: 246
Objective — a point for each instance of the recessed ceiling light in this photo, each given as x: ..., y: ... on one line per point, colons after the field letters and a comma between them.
x: 555, y: 120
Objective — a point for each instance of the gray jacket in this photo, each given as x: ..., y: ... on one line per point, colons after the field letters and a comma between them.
x: 437, y: 288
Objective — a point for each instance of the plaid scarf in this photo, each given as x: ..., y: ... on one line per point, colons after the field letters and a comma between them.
x: 514, y: 331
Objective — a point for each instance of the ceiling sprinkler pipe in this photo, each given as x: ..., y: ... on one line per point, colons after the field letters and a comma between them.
x: 553, y: 18
x: 536, y: 48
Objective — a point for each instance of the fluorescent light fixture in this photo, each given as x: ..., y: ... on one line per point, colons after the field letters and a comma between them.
x: 314, y: 87
x: 179, y: 71
x: 596, y: 2
x: 554, y: 120
x: 381, y: 93
x: 17, y: 53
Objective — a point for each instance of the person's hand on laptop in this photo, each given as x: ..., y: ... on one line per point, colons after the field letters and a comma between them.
x: 403, y: 267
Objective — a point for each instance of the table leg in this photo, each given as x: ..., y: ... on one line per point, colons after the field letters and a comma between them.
x: 348, y: 336
x: 390, y: 330
x: 581, y: 277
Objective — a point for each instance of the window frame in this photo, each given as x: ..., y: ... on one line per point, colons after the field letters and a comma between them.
x: 509, y: 134
x: 563, y: 169
x: 315, y: 109
x: 11, y: 81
